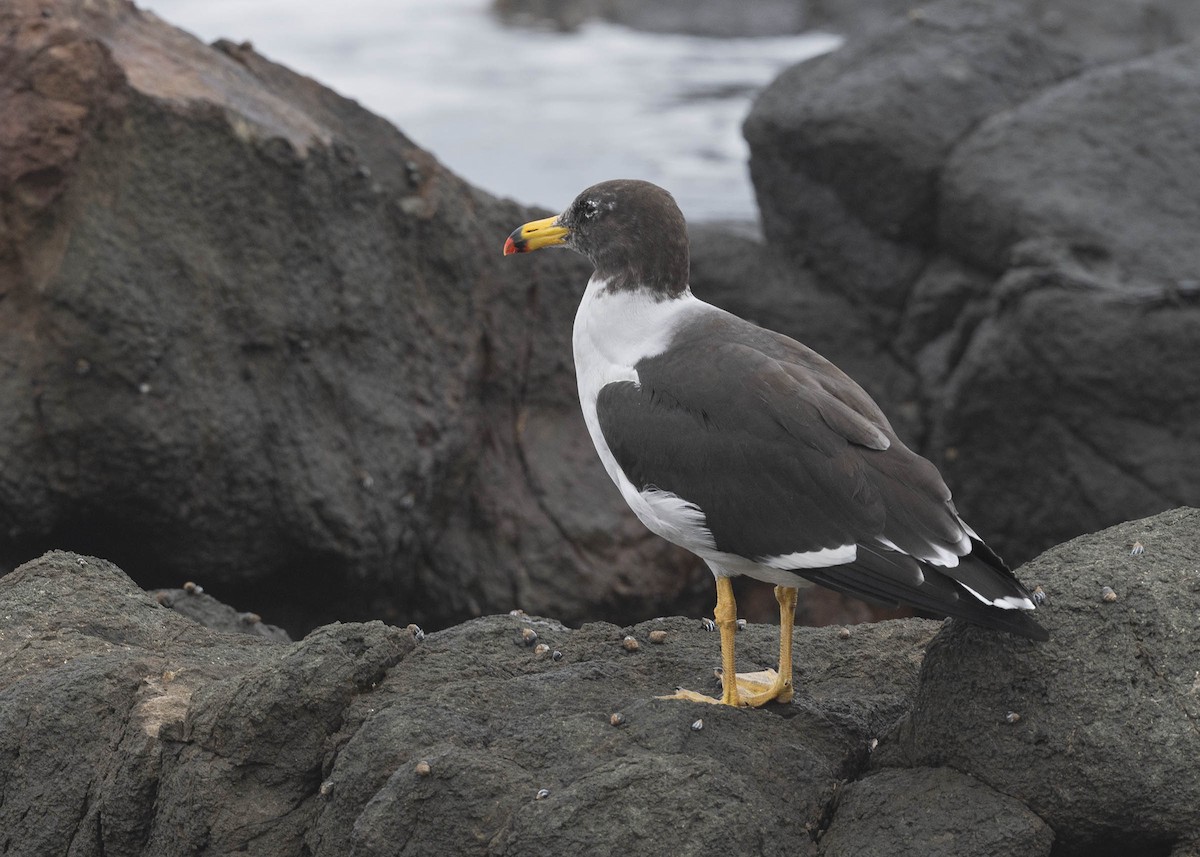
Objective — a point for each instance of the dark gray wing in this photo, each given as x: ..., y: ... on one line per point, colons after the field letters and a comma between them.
x: 733, y: 434
x: 783, y: 454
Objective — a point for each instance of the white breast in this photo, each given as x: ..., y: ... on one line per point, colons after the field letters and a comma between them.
x: 613, y: 331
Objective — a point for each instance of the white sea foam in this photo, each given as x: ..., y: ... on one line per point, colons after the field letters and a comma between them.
x: 532, y: 115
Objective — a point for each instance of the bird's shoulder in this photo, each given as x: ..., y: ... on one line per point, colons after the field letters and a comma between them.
x: 739, y: 374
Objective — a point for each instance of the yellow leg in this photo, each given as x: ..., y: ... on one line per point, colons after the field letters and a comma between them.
x: 750, y: 689
x: 768, y: 685
x: 725, y: 615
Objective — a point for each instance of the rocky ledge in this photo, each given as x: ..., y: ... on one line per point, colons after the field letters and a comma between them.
x: 128, y: 729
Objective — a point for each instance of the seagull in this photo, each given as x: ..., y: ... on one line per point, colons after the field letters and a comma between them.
x: 751, y: 450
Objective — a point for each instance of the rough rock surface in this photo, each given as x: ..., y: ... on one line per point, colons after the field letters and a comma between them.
x: 161, y: 737
x: 193, y: 602
x: 1017, y: 231
x: 846, y: 149
x: 251, y: 335
x: 932, y: 812
x: 1109, y: 709
x: 165, y: 738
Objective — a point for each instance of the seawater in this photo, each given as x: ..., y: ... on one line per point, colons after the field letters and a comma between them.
x: 530, y: 114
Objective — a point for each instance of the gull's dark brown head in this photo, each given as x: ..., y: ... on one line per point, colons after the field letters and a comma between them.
x: 633, y: 232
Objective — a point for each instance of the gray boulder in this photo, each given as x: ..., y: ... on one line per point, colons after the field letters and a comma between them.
x: 932, y: 812
x: 516, y: 734
x: 1018, y: 232
x: 1086, y: 348
x: 1095, y: 731
x: 165, y: 738
x: 251, y: 335
x: 846, y: 149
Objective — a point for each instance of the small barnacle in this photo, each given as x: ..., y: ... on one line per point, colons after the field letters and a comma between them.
x: 872, y: 744
x: 528, y: 636
x: 1012, y: 717
x: 143, y: 388
x: 422, y: 768
x: 163, y: 597
x: 417, y: 633
x: 249, y: 618
x: 708, y: 624
x: 192, y: 588
x: 326, y: 788
x: 658, y: 636
x: 630, y: 644
x: 543, y: 793
x: 741, y: 624
x: 1138, y: 549
x: 843, y: 633
x: 1038, y: 595
x: 616, y: 718
x: 517, y: 612
x: 1107, y: 595
x: 698, y: 724
x: 556, y: 655
x: 540, y: 649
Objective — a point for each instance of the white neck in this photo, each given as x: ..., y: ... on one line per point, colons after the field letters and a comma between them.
x: 617, y: 328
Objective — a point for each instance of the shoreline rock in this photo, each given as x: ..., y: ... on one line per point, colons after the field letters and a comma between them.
x: 985, y: 206
x: 252, y: 336
x: 163, y: 737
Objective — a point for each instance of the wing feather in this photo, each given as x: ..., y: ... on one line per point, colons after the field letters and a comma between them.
x: 783, y: 453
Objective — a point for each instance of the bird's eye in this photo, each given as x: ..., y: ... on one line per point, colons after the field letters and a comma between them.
x: 590, y: 207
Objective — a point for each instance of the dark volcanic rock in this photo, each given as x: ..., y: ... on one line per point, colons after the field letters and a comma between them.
x: 1109, y: 710
x: 250, y: 334
x: 126, y: 729
x: 1083, y: 201
x: 199, y: 606
x: 941, y: 813
x: 846, y: 149
x: 164, y: 738
x: 1018, y: 231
